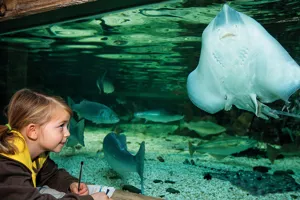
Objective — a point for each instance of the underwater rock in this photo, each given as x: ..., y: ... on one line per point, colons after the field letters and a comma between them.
x: 257, y: 183
x: 131, y: 188
x: 261, y: 169
x: 114, y: 177
x: 282, y: 172
x: 294, y: 196
x: 193, y: 162
x: 172, y: 190
x: 160, y: 159
x: 289, y: 171
x: 186, y: 162
x: 157, y: 181
x: 168, y: 181
x: 207, y: 176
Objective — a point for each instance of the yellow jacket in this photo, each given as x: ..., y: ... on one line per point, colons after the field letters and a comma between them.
x: 23, y: 156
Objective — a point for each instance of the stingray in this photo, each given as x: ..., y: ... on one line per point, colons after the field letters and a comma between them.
x: 241, y: 64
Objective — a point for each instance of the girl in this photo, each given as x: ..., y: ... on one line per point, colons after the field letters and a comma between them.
x: 37, y: 124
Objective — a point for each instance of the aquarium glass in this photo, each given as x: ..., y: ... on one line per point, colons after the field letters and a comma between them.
x: 136, y: 62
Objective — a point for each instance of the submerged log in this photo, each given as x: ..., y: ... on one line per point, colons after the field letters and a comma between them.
x: 20, y: 8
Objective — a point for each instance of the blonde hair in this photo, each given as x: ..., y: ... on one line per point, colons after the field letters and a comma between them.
x: 24, y: 108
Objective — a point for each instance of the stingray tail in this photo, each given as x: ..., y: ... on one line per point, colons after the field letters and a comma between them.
x: 140, y: 157
x: 278, y: 112
x: 274, y: 113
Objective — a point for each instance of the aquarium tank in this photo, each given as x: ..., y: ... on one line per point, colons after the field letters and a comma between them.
x: 184, y: 99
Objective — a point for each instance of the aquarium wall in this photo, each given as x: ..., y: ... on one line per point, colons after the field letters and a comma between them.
x: 136, y: 61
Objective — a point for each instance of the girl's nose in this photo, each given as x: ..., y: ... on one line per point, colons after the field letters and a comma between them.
x: 67, y: 133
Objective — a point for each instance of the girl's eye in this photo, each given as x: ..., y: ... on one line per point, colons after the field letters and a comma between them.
x: 61, y: 126
x: 64, y: 125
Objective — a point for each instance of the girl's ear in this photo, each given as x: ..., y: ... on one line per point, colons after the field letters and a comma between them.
x: 32, y: 131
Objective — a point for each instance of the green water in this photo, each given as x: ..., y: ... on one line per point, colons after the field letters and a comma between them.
x: 148, y: 53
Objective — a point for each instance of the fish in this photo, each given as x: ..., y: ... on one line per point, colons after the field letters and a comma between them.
x: 120, y: 159
x: 223, y: 147
x: 241, y: 64
x: 158, y: 116
x: 292, y: 149
x: 105, y: 85
x: 205, y: 128
x: 76, y: 133
x: 93, y: 111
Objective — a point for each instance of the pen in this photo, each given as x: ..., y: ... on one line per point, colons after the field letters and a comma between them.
x: 80, y: 175
x: 107, y: 191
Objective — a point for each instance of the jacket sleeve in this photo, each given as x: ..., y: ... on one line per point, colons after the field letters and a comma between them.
x: 16, y: 184
x: 58, y: 179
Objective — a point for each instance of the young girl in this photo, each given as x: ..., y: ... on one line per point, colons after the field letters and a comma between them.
x: 37, y: 124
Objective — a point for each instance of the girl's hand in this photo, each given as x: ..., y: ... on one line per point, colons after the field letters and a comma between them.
x: 83, y: 189
x: 100, y: 196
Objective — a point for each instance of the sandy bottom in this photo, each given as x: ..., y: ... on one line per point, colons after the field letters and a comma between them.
x: 185, y: 178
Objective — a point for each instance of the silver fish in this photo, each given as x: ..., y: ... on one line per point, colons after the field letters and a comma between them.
x: 223, y: 147
x: 95, y: 112
x: 120, y: 160
x: 158, y: 116
x: 205, y: 128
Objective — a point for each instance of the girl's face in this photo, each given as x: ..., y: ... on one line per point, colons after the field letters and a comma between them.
x: 54, y: 134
